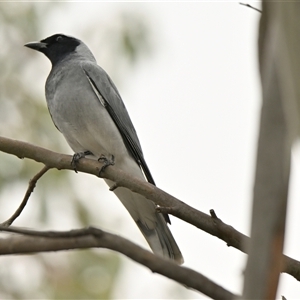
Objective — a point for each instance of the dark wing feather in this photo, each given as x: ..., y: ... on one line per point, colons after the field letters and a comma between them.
x: 118, y: 112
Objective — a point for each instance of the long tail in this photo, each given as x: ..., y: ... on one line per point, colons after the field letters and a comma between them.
x: 152, y: 224
x: 161, y: 240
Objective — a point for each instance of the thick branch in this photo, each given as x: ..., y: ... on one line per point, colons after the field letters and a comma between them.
x: 168, y: 203
x: 93, y: 237
x: 279, y: 65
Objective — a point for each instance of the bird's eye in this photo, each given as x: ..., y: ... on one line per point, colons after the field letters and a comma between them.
x: 59, y: 38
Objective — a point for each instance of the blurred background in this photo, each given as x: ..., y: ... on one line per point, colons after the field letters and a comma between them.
x: 188, y: 75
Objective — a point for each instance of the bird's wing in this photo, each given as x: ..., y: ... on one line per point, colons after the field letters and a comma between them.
x: 110, y: 98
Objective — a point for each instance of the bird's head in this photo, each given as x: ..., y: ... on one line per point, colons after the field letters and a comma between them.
x: 59, y: 46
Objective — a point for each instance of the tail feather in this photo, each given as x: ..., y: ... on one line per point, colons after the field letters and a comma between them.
x: 152, y: 224
x: 161, y: 240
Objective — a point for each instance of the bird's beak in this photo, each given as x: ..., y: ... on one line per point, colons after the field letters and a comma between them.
x: 39, y: 46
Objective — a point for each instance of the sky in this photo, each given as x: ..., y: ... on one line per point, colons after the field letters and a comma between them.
x: 195, y: 104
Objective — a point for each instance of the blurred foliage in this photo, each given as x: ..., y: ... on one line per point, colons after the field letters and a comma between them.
x: 127, y: 39
x: 132, y: 37
x: 86, y: 274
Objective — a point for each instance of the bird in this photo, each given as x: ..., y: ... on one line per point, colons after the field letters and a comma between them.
x: 86, y: 107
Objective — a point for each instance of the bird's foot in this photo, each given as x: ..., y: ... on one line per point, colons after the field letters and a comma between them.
x: 77, y: 156
x: 107, y: 162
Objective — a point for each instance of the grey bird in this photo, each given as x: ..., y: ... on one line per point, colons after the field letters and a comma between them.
x: 88, y: 110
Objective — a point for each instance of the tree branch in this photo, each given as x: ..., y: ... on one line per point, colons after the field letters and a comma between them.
x: 91, y: 237
x: 279, y: 65
x: 167, y: 203
x: 250, y: 6
x: 31, y: 186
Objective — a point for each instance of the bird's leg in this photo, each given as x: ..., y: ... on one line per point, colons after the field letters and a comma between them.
x: 77, y: 156
x: 107, y: 162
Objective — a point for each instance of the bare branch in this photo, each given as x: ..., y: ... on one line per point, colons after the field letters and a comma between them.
x: 279, y: 64
x: 31, y: 186
x: 167, y: 203
x: 250, y: 6
x: 92, y: 237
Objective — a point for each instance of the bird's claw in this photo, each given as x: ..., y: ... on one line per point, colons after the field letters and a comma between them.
x: 106, y: 162
x: 77, y: 156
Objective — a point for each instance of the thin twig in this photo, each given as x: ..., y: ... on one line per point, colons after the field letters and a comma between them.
x: 37, y: 241
x: 250, y: 6
x: 31, y: 186
x: 213, y: 214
